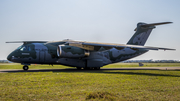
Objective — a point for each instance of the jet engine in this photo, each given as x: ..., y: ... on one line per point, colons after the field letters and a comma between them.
x: 71, y: 52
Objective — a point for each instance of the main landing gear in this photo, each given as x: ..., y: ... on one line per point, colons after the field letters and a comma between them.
x: 97, y: 68
x: 25, y: 67
x: 90, y: 68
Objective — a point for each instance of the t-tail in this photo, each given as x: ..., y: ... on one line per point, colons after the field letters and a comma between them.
x: 142, y: 33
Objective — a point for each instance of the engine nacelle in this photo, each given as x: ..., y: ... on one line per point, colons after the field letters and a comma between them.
x: 71, y: 52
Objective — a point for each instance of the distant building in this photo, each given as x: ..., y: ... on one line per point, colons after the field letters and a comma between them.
x: 4, y: 61
x: 151, y: 61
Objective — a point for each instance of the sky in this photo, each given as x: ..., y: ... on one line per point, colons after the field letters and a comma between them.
x: 109, y: 21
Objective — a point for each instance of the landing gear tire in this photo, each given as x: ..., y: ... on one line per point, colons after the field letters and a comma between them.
x: 97, y: 68
x: 88, y: 68
x: 85, y: 68
x: 78, y: 68
x: 25, y: 67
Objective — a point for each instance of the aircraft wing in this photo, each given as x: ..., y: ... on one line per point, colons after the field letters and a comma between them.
x: 92, y: 46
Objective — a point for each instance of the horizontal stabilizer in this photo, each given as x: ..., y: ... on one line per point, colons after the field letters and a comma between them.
x: 155, y: 24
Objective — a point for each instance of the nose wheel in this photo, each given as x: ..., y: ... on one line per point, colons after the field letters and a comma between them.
x: 25, y: 67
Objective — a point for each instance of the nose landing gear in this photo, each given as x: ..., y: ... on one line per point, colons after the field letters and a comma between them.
x: 25, y: 67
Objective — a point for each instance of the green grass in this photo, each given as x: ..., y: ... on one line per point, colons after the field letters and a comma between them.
x: 33, y: 66
x: 116, y: 65
x: 90, y: 85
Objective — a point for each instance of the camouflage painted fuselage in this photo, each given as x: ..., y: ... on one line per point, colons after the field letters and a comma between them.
x: 46, y: 53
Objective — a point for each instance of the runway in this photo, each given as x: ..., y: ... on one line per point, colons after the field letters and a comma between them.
x: 75, y: 70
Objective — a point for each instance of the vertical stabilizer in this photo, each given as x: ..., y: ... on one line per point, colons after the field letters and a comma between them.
x: 142, y: 33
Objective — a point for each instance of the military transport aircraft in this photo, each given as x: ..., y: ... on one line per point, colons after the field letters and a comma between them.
x: 82, y: 54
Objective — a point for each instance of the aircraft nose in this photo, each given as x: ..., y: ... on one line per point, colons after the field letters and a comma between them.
x: 9, y: 57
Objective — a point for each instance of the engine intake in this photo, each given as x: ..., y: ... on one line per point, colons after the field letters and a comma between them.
x: 71, y: 52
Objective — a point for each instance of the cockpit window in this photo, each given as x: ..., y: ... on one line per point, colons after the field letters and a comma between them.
x: 19, y: 47
x: 25, y: 48
x: 29, y: 49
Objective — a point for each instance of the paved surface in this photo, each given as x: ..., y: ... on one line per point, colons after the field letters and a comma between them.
x: 75, y: 70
